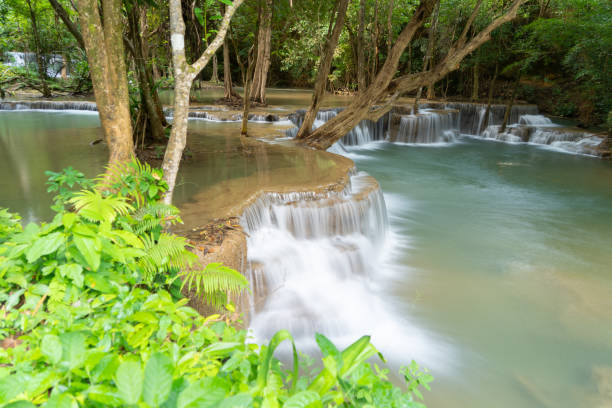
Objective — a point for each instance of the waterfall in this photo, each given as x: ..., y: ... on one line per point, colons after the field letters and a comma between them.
x: 471, y: 115
x: 366, y: 131
x: 427, y: 127
x: 316, y: 263
x: 49, y: 105
x: 535, y: 120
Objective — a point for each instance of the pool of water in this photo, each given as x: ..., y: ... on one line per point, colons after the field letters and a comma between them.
x: 503, y: 255
x: 220, y: 169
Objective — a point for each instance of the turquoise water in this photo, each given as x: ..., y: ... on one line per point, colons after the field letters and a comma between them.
x: 504, y: 257
x: 500, y: 254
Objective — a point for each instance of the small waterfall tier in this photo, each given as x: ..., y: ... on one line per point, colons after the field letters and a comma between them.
x: 472, y: 115
x: 313, y: 259
x: 49, y: 105
x: 366, y: 131
x: 428, y: 126
x: 566, y: 139
x: 535, y: 120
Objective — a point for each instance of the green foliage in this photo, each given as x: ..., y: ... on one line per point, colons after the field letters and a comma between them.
x: 63, y: 183
x: 214, y: 283
x: 85, y: 325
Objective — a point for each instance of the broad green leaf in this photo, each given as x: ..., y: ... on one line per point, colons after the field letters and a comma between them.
x: 74, y: 272
x: 61, y: 401
x: 157, y: 379
x: 106, y: 368
x: 11, y: 386
x: 276, y: 340
x: 304, y: 399
x: 44, y: 246
x: 203, y: 394
x: 128, y: 379
x: 237, y: 401
x: 51, y: 348
x: 20, y: 404
x: 90, y: 249
x: 104, y: 395
x: 68, y: 220
x: 74, y: 350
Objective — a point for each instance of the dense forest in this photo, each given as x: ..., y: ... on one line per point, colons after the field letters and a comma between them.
x: 556, y: 52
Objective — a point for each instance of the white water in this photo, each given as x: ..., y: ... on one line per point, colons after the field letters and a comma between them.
x: 322, y: 264
x: 428, y: 127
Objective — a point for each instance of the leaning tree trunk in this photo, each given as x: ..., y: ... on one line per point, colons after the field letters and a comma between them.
x: 475, y: 83
x: 385, y: 86
x: 262, y: 65
x: 40, y: 60
x: 104, y: 47
x: 184, y: 74
x: 333, y: 33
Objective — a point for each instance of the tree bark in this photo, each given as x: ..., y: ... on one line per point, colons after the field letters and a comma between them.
x: 361, y: 63
x: 475, y: 83
x: 104, y: 47
x: 40, y: 59
x: 390, y: 28
x: 485, y: 121
x: 262, y: 64
x: 427, y: 57
x: 502, y: 129
x: 375, y: 35
x: 384, y: 84
x: 139, y: 49
x: 215, y: 71
x: 184, y: 74
x: 333, y: 34
x: 228, y: 87
x: 248, y: 86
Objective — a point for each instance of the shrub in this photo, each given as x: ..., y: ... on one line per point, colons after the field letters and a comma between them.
x: 88, y: 319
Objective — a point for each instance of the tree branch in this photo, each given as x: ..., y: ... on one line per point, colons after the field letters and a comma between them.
x: 63, y: 14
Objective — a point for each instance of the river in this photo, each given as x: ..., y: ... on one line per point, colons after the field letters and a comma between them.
x: 487, y: 262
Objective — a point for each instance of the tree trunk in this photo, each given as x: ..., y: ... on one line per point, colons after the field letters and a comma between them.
x: 139, y: 49
x: 385, y: 85
x: 228, y: 87
x: 485, y: 121
x: 248, y: 86
x: 262, y: 64
x: 475, y: 83
x: 431, y: 49
x: 361, y: 63
x: 375, y: 34
x: 427, y: 57
x: 40, y: 59
x: 215, y: 71
x: 104, y: 47
x: 184, y: 74
x: 333, y: 33
x: 502, y: 129
x: 390, y: 28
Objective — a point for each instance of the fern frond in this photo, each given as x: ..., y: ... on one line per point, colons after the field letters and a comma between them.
x: 154, y: 215
x: 214, y: 283
x: 163, y: 255
x: 92, y: 206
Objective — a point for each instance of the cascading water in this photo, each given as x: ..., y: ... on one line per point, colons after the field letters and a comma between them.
x: 535, y: 120
x: 428, y: 126
x: 316, y: 264
x: 365, y: 132
x: 49, y: 105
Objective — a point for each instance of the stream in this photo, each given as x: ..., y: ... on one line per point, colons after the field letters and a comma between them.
x: 483, y: 255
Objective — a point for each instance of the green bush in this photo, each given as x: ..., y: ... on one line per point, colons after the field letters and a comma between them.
x: 90, y: 319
